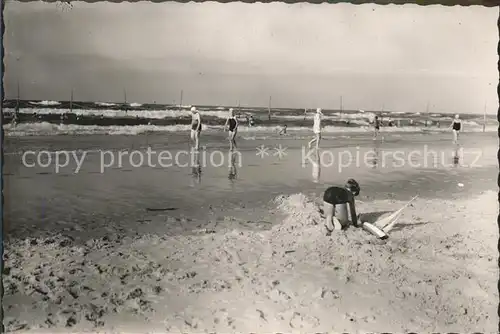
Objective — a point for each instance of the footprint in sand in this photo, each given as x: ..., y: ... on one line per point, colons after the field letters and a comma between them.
x: 256, y: 225
x: 279, y: 296
x: 369, y: 319
x: 14, y: 325
x: 303, y: 321
x: 326, y: 293
x: 192, y: 323
x: 222, y: 317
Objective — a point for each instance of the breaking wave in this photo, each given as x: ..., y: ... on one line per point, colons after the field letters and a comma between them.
x: 49, y: 129
x: 46, y: 103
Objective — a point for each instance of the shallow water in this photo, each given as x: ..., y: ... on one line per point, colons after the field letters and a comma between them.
x: 101, y: 193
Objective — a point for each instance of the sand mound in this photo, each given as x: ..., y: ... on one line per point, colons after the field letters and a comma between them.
x: 435, y: 273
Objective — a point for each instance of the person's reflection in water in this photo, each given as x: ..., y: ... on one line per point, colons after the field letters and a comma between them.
x: 375, y: 153
x: 316, y: 167
x: 233, y: 173
x: 195, y: 167
x: 456, y: 157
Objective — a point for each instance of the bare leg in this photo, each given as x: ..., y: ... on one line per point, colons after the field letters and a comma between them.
x: 318, y: 139
x: 329, y: 211
x: 331, y: 222
x: 230, y: 138
x: 232, y: 141
x: 342, y: 214
x: 197, y: 140
x: 192, y: 138
x: 455, y: 137
x: 314, y: 140
x: 311, y: 142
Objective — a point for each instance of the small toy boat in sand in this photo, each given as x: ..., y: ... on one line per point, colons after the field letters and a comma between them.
x: 382, y: 226
x: 374, y: 230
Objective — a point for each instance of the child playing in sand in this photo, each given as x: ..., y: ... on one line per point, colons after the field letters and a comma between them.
x: 456, y: 126
x: 316, y: 129
x: 232, y: 128
x: 283, y: 130
x: 195, y: 127
x: 335, y: 201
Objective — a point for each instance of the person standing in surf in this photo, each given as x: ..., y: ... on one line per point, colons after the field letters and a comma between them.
x: 376, y: 125
x: 251, y: 121
x: 456, y: 127
x: 16, y: 119
x: 316, y: 129
x: 232, y: 126
x: 195, y: 128
x: 335, y: 202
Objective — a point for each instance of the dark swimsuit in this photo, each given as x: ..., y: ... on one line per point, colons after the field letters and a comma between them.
x: 338, y: 195
x: 194, y: 127
x: 457, y: 126
x: 377, y: 125
x: 232, y: 124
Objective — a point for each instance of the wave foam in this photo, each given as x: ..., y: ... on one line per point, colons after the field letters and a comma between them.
x: 360, y: 118
x: 152, y: 114
x: 47, y: 129
x: 46, y: 103
x: 105, y: 104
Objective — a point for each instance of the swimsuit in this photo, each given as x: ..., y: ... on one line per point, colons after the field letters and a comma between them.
x: 338, y: 195
x: 377, y: 125
x: 194, y: 127
x: 457, y: 125
x: 232, y: 124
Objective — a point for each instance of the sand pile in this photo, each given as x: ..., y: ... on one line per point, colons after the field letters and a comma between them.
x: 435, y: 273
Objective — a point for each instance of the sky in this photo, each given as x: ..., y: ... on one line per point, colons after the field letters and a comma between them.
x: 401, y: 58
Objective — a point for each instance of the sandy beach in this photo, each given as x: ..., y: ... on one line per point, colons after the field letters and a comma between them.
x: 163, y: 250
x: 437, y: 272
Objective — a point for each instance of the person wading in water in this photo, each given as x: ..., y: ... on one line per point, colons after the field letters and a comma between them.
x: 232, y: 126
x: 195, y: 128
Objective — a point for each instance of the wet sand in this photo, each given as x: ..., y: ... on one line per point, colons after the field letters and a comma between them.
x: 41, y: 200
x: 165, y: 250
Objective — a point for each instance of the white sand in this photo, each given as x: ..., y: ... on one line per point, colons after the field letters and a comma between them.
x: 437, y: 272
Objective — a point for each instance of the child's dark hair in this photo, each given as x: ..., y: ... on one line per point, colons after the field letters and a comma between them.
x: 353, y: 186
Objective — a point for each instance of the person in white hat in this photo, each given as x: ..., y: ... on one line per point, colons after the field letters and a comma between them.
x: 456, y: 126
x: 195, y: 127
x: 316, y: 129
